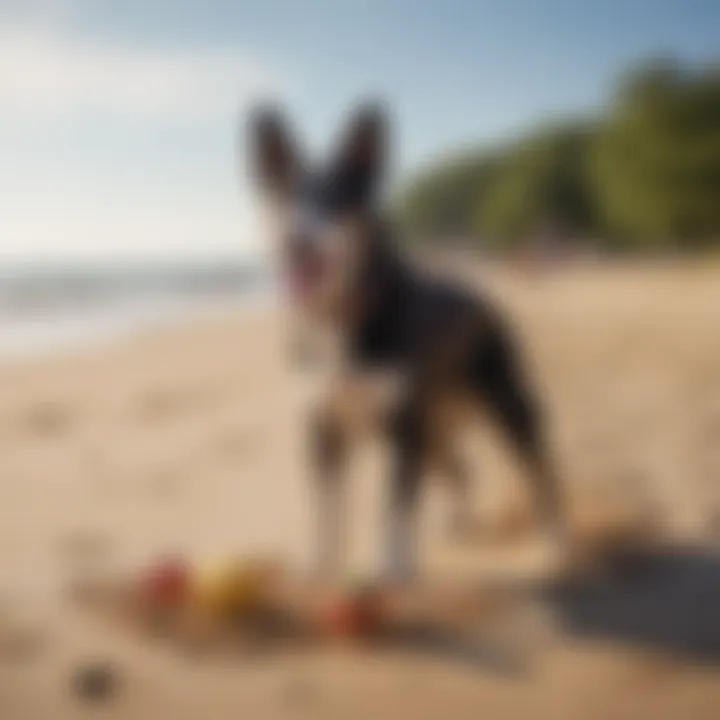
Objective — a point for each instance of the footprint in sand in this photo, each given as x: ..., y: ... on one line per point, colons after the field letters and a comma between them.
x: 23, y: 638
x: 47, y: 419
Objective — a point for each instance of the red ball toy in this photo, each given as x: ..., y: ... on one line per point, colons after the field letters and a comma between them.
x: 166, y: 584
x: 351, y: 615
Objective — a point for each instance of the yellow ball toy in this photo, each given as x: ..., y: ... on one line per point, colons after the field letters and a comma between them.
x: 232, y: 588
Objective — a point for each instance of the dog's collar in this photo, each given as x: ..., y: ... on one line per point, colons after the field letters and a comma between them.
x: 354, y: 311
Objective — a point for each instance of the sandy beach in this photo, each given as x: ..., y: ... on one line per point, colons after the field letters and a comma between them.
x: 189, y: 439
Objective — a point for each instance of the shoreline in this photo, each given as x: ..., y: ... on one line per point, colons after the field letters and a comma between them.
x: 79, y: 330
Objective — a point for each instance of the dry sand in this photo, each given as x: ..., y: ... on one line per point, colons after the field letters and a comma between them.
x: 191, y: 440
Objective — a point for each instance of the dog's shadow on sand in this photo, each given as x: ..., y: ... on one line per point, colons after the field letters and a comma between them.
x: 665, y: 600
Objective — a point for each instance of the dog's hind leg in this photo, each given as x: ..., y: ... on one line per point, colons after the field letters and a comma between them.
x: 522, y: 424
x: 515, y: 407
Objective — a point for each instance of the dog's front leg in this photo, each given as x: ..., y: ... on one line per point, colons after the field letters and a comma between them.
x: 408, y: 447
x: 329, y: 450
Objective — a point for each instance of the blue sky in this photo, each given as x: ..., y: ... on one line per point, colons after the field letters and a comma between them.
x: 119, y: 118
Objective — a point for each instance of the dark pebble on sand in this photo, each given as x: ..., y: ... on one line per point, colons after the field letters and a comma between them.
x: 95, y: 682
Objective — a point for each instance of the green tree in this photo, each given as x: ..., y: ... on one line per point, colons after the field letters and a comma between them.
x: 644, y: 174
x: 543, y: 183
x: 656, y: 163
x: 441, y: 202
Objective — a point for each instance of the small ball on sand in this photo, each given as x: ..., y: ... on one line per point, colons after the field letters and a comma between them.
x: 95, y: 682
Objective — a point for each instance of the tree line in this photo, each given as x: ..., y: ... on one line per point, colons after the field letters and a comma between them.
x: 643, y: 173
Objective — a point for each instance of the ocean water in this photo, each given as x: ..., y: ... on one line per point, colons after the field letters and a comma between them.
x: 55, y: 307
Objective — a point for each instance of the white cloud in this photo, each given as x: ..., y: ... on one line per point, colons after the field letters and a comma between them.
x: 62, y: 201
x: 43, y: 71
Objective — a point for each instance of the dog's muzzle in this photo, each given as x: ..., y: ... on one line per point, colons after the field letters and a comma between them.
x: 304, y: 266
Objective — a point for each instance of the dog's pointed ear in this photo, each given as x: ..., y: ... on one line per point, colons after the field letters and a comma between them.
x: 362, y: 155
x: 274, y: 159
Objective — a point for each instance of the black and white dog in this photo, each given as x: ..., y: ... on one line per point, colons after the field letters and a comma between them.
x: 421, y: 355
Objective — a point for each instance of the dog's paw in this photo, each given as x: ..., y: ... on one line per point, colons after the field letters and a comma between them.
x: 398, y: 580
x: 399, y: 572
